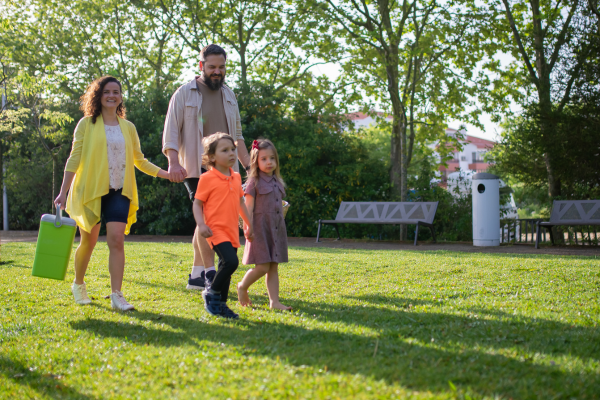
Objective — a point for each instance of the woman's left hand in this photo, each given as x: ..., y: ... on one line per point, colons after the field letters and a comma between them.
x: 61, y: 201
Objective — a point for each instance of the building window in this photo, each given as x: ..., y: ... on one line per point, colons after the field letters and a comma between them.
x: 478, y: 156
x: 463, y: 158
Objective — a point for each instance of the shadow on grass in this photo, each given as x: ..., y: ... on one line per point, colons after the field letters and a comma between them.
x: 45, y: 384
x: 421, y: 351
x: 11, y: 264
x: 7, y: 262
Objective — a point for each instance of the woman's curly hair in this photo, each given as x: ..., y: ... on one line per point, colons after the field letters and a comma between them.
x: 90, y: 101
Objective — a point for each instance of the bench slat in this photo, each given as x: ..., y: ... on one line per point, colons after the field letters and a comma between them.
x: 575, y: 212
x: 386, y: 212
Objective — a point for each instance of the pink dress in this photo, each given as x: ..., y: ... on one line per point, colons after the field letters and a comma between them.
x: 270, y: 236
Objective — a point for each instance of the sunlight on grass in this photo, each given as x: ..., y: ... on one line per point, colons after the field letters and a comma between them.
x: 366, y: 324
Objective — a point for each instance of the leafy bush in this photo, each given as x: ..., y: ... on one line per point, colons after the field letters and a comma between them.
x: 454, y: 216
x: 321, y: 164
x: 165, y: 208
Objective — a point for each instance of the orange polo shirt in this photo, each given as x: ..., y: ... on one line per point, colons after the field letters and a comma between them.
x: 220, y: 196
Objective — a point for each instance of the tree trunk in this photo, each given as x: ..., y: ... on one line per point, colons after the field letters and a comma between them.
x: 547, y: 129
x: 397, y: 129
x: 2, y: 176
x: 54, y: 180
x: 398, y: 140
x: 544, y: 94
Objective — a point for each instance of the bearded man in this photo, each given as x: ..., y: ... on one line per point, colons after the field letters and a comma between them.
x: 198, y: 109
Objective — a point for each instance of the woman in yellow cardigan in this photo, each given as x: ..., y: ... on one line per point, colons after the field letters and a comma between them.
x: 100, y: 179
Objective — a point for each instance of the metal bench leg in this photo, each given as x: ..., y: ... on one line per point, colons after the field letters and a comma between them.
x: 338, y: 232
x: 319, y: 231
x: 433, y: 234
x: 537, y: 236
x: 416, y: 233
x: 551, y: 235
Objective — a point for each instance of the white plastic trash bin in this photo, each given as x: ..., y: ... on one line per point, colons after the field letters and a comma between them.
x: 486, y: 209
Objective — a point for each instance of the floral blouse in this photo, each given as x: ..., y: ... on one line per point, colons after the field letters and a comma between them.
x: 115, y: 143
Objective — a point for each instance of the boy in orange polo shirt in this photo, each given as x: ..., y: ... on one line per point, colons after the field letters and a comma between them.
x: 219, y: 201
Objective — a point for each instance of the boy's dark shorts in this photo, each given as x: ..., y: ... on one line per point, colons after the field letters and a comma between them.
x: 191, y: 184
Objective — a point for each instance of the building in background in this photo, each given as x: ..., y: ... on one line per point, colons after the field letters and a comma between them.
x: 362, y: 120
x: 470, y: 159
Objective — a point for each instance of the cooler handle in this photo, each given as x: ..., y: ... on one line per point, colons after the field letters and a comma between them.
x: 58, y: 219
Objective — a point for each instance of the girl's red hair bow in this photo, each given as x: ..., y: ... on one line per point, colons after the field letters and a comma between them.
x: 255, y: 145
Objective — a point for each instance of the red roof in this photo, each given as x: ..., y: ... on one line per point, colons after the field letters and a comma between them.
x: 479, y: 142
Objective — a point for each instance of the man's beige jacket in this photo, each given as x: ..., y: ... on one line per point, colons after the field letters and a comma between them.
x: 183, y: 132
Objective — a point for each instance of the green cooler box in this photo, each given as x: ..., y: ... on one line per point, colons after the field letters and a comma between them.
x: 54, y: 244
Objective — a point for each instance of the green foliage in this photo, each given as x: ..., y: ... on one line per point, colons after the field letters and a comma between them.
x: 453, y: 218
x: 376, y: 141
x: 28, y: 181
x: 35, y: 144
x: 321, y: 164
x: 573, y: 144
x: 165, y: 207
x: 374, y: 325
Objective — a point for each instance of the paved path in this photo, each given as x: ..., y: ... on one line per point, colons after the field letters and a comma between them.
x: 31, y: 236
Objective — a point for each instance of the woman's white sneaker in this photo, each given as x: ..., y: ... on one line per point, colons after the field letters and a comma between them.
x: 118, y: 302
x: 80, y: 293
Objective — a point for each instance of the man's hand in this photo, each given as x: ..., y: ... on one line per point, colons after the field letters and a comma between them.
x: 177, y: 173
x: 205, y: 231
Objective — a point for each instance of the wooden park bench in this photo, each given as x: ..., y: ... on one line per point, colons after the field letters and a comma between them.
x: 350, y: 212
x: 570, y: 213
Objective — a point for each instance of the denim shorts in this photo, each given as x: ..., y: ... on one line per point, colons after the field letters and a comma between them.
x: 115, y: 207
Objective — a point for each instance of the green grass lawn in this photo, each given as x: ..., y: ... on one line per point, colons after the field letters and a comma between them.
x: 366, y: 324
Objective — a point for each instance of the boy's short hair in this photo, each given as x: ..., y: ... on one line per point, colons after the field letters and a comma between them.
x: 212, y: 49
x: 210, y: 146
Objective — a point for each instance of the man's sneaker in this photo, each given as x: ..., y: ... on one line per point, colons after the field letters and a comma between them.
x: 227, y: 312
x: 118, y: 302
x: 210, y: 277
x: 80, y: 293
x: 196, y: 283
x: 212, y: 303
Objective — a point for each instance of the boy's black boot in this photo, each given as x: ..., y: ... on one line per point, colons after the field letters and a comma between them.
x: 209, y: 278
x: 227, y: 312
x: 212, y: 303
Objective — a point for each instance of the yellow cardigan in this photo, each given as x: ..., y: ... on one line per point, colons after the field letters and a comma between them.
x: 89, y: 162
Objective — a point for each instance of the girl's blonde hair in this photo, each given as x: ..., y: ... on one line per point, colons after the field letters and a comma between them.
x: 210, y: 147
x: 258, y: 145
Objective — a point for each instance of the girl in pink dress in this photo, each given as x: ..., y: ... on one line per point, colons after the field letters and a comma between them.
x: 263, y: 195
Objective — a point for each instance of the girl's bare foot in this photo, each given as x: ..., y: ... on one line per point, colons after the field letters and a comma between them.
x: 279, y: 306
x: 243, y: 297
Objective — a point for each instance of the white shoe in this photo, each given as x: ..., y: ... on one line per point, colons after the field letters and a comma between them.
x: 80, y: 293
x: 118, y: 302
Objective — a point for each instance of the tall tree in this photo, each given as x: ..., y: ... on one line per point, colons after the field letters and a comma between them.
x: 73, y: 43
x: 33, y: 118
x: 273, y: 41
x: 541, y: 37
x: 416, y: 57
x: 566, y: 132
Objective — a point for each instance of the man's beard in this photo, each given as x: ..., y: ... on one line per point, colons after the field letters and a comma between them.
x: 212, y: 85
